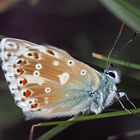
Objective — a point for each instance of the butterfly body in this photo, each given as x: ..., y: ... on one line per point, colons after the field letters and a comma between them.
x: 47, y: 82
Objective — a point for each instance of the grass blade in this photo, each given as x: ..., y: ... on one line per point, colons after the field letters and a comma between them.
x: 125, y: 11
x: 62, y: 125
x: 54, y: 131
x: 116, y: 61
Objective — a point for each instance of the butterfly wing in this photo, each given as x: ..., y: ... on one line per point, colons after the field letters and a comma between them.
x: 46, y: 81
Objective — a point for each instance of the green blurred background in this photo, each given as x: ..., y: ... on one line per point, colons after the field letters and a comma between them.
x: 79, y: 27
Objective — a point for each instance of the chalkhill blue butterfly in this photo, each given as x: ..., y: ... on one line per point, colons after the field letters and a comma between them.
x: 47, y: 82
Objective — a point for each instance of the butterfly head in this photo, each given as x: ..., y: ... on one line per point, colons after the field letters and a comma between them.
x: 113, y: 73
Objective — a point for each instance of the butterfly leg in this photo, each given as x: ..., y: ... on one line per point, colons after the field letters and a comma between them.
x: 32, y: 131
x: 121, y: 94
x: 72, y: 118
x: 80, y: 112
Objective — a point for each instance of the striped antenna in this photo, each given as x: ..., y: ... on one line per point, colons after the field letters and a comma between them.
x: 126, y: 45
x: 118, y: 36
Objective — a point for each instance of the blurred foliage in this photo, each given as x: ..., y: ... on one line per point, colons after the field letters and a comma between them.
x: 34, y: 2
x: 8, y: 110
x: 6, y: 4
x: 125, y: 11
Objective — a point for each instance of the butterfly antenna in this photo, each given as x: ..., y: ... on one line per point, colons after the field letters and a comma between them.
x: 127, y: 44
x: 118, y: 36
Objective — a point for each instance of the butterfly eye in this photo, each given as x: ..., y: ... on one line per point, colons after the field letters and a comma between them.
x: 36, y: 73
x: 83, y: 72
x: 38, y: 66
x: 11, y: 45
x: 115, y: 75
x: 111, y: 73
x: 70, y: 62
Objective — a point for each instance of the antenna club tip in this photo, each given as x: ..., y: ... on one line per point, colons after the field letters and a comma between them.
x: 96, y: 55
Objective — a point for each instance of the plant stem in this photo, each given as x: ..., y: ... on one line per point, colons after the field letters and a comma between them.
x: 91, y: 117
x: 62, y: 125
x: 116, y: 61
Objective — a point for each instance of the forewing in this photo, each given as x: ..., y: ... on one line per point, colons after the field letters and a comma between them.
x: 46, y: 81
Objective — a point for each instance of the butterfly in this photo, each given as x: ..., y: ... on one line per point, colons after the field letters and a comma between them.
x: 47, y: 82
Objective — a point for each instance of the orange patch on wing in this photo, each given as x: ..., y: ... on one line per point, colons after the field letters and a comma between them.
x: 35, y: 55
x: 24, y: 82
x: 27, y: 93
x: 20, y: 71
x: 39, y: 93
x: 35, y: 105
